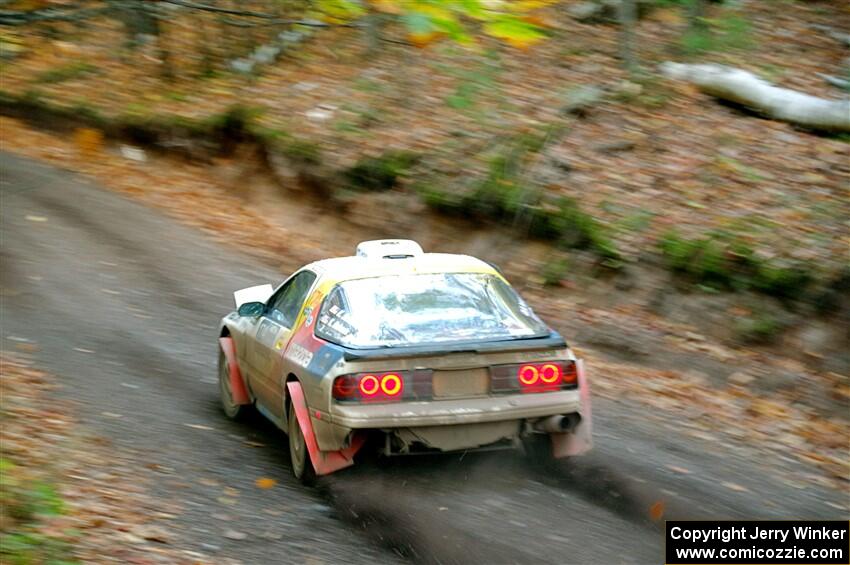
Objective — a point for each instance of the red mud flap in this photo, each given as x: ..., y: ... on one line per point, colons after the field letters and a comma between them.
x: 237, y: 385
x: 324, y: 462
x: 580, y: 440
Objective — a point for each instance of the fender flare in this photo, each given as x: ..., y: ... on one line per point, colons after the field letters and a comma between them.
x: 580, y: 440
x: 237, y: 385
x: 324, y: 462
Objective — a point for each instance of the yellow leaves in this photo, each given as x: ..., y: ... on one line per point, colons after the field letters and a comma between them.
x: 265, y: 483
x: 88, y: 141
x: 515, y: 32
x: 434, y: 12
x: 767, y: 408
x: 422, y: 40
x: 339, y: 11
x: 670, y: 16
x: 386, y: 7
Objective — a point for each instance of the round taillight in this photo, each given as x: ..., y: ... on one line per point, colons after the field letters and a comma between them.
x: 369, y: 385
x: 550, y: 374
x: 391, y: 384
x: 528, y: 375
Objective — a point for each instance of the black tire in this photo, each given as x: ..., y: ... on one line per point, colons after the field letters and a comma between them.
x: 230, y: 409
x: 302, y: 466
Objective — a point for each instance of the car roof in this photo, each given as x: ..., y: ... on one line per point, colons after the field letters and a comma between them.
x: 341, y: 269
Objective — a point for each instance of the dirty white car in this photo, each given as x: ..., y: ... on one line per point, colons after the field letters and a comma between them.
x: 401, y: 351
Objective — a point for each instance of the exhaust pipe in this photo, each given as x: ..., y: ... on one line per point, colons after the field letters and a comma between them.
x: 560, y: 424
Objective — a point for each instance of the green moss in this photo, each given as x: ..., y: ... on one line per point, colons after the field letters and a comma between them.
x: 761, y: 329
x: 781, y: 281
x: 450, y: 202
x: 728, y: 32
x: 724, y: 262
x: 301, y: 152
x: 380, y: 172
x: 25, y: 502
x: 65, y: 72
x: 555, y: 271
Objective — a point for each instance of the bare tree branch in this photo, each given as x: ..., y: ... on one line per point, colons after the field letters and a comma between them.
x: 217, y: 10
x: 16, y: 18
x: 269, y: 19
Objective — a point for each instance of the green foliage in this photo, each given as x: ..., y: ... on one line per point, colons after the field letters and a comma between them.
x: 724, y: 262
x: 563, y: 221
x: 381, y: 172
x: 24, y: 502
x: 555, y: 270
x: 503, y: 195
x: 760, y: 329
x: 302, y: 152
x: 781, y: 281
x: 463, y: 96
x: 729, y: 32
x: 68, y: 71
x: 706, y: 261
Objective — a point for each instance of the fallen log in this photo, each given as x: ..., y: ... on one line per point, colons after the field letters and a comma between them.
x: 746, y: 89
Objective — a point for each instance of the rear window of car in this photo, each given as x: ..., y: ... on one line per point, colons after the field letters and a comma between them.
x: 421, y: 309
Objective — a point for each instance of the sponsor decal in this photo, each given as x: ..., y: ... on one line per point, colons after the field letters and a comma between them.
x: 299, y: 355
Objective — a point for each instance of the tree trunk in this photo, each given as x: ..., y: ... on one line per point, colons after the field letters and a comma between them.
x: 138, y: 19
x: 746, y: 89
x: 628, y: 17
x: 696, y: 14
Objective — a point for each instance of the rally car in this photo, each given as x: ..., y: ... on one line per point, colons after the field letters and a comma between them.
x: 404, y: 352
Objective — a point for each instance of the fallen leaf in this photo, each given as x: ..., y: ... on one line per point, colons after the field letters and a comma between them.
x: 233, y: 534
x: 265, y: 483
x: 680, y: 470
x: 199, y: 427
x: 656, y: 511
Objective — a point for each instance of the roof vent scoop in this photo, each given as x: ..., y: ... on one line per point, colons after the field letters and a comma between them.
x: 388, y: 249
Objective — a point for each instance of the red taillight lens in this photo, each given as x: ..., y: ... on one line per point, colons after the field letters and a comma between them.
x: 369, y: 387
x: 544, y: 377
x: 570, y: 373
x: 345, y: 387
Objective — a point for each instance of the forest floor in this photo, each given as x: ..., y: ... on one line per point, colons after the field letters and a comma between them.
x: 68, y: 495
x: 650, y: 156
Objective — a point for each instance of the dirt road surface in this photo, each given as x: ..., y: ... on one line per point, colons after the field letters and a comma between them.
x: 123, y: 305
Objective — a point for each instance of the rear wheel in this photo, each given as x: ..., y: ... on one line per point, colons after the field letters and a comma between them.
x: 302, y: 467
x: 231, y: 409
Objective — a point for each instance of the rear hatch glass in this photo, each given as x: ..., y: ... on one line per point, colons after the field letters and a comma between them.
x: 422, y: 309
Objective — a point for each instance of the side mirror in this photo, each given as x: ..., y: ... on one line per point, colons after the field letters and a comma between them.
x: 251, y: 309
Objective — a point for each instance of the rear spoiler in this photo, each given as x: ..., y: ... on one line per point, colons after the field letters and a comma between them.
x: 552, y: 341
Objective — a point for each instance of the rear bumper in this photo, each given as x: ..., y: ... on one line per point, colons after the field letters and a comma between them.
x: 454, y: 412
